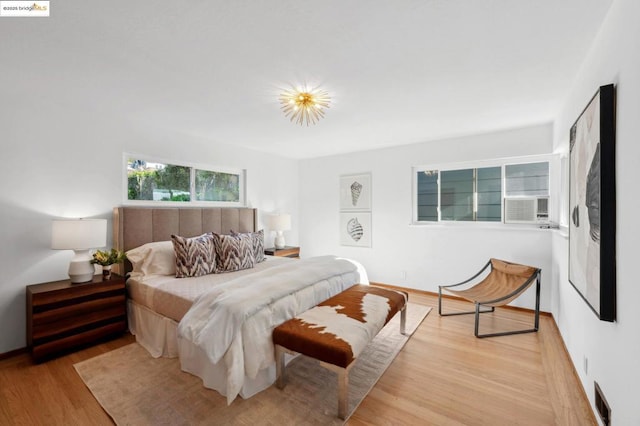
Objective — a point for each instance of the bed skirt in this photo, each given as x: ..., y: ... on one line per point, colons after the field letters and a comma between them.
x: 158, y: 335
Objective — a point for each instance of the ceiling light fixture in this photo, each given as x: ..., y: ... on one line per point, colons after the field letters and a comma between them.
x: 304, y: 105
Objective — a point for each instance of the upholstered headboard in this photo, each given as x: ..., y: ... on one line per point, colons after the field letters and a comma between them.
x: 135, y: 226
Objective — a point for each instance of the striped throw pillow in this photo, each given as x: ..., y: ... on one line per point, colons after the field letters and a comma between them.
x: 258, y: 245
x: 257, y: 239
x: 195, y: 256
x: 233, y: 252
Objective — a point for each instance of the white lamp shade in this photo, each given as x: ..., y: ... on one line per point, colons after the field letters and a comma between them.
x: 78, y: 234
x: 280, y: 222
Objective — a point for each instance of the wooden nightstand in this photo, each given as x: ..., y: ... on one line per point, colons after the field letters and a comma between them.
x: 287, y: 251
x: 63, y: 316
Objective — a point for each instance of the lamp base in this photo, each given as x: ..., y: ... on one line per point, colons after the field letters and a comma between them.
x: 279, y: 241
x: 80, y: 268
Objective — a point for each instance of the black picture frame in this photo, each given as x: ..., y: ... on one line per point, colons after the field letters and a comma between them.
x: 592, y: 204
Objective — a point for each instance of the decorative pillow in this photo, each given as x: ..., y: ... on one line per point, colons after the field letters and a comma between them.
x: 257, y: 239
x: 258, y: 245
x: 233, y: 252
x: 157, y: 258
x: 194, y: 256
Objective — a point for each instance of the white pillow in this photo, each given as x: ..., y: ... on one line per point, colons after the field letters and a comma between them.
x: 156, y: 258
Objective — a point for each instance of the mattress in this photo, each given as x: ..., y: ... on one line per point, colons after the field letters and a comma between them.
x: 172, y: 297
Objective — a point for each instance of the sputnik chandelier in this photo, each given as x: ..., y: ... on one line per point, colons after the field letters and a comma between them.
x: 303, y: 105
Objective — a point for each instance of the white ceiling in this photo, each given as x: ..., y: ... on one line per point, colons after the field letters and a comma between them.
x: 399, y: 71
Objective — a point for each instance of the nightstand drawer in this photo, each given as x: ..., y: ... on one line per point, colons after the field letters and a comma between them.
x: 42, y: 317
x: 71, y: 324
x: 51, y: 299
x: 54, y: 347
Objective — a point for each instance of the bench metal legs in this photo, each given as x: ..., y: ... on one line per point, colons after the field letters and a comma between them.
x: 281, y: 379
x: 343, y: 378
x: 343, y: 373
x: 343, y: 387
x: 343, y: 392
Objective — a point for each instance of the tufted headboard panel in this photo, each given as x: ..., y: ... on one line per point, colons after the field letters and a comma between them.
x: 135, y: 226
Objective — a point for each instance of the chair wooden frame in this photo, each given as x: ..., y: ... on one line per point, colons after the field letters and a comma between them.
x: 493, y: 301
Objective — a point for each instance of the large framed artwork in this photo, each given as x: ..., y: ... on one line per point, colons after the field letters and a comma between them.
x: 592, y: 204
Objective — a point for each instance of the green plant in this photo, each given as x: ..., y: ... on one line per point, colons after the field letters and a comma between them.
x: 177, y: 197
x: 110, y: 257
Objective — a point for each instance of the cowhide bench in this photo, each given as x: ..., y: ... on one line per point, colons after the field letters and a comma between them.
x: 337, y: 330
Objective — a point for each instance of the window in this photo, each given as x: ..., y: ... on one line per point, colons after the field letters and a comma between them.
x: 217, y: 186
x: 475, y: 194
x: 428, y: 195
x: 489, y: 194
x: 528, y: 179
x: 456, y: 194
x: 149, y: 181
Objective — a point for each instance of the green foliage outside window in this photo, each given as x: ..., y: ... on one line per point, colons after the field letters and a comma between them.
x: 168, y: 182
x: 217, y: 186
x: 141, y: 184
x: 175, y: 180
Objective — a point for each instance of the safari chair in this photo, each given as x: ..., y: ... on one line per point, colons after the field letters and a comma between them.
x: 504, y: 283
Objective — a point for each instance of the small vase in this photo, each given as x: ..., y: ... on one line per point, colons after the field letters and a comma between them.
x: 106, y: 272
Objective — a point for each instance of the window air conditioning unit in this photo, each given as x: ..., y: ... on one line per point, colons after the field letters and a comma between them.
x: 526, y: 210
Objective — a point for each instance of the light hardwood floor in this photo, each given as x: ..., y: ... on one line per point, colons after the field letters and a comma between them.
x: 443, y: 376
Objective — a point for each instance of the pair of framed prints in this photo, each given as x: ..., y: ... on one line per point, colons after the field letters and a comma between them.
x: 355, y: 210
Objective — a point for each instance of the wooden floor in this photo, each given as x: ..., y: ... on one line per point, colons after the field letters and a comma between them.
x: 443, y: 376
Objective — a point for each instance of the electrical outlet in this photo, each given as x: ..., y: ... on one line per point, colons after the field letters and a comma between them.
x: 585, y: 364
x: 403, y: 275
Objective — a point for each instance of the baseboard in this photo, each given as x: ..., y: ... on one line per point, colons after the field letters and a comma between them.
x: 449, y: 296
x: 13, y: 353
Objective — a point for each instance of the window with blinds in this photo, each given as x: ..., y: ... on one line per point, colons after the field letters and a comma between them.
x: 476, y: 194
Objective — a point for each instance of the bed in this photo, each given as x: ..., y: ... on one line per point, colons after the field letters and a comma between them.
x: 218, y: 324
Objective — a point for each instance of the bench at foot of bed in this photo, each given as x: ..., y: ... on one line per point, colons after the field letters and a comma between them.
x: 337, y: 330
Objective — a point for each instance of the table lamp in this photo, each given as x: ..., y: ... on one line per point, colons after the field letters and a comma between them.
x: 279, y: 223
x: 79, y: 235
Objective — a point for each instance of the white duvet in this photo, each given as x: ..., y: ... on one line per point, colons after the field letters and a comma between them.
x: 233, y: 322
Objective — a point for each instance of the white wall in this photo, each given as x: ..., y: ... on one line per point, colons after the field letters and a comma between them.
x: 59, y: 161
x: 429, y: 255
x: 612, y: 349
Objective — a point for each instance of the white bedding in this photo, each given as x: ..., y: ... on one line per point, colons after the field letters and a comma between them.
x: 225, y: 338
x: 172, y: 297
